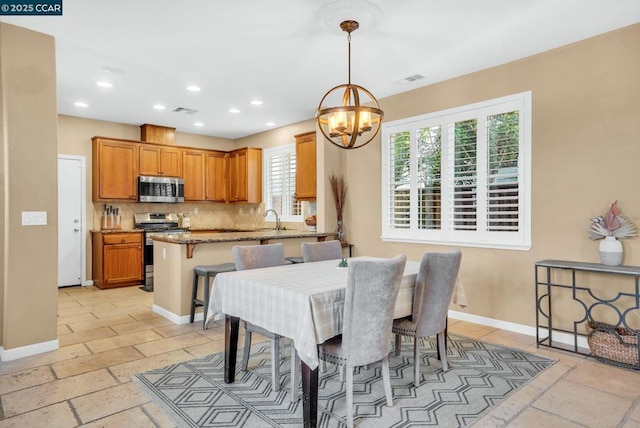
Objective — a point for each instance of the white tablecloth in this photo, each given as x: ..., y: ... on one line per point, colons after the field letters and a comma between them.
x: 304, y: 302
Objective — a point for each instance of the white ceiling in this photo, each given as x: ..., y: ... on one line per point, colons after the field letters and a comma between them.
x: 284, y: 53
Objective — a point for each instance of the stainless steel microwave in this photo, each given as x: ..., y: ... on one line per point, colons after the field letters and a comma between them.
x: 160, y: 189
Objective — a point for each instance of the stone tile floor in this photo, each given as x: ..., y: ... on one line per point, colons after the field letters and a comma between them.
x: 107, y: 336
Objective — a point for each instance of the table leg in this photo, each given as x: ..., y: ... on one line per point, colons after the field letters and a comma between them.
x: 231, y: 329
x: 309, y: 396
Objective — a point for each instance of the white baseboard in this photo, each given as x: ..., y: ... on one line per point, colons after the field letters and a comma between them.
x: 564, y: 338
x: 29, y: 350
x: 174, y: 318
x: 87, y: 283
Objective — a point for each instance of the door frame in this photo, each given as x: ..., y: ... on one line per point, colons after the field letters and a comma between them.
x: 83, y: 207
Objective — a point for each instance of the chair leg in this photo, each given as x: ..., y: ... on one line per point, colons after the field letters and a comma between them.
x: 294, y: 374
x: 398, y: 344
x: 275, y: 363
x: 416, y: 361
x: 387, y: 381
x: 247, y: 348
x: 349, y: 404
x: 443, y: 346
x: 446, y: 324
x: 206, y: 290
x: 194, y: 292
x: 341, y: 370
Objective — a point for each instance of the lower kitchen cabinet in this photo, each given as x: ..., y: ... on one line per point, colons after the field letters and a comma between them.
x: 117, y: 259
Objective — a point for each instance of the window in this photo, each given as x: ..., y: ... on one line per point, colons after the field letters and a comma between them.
x: 460, y: 176
x: 280, y: 183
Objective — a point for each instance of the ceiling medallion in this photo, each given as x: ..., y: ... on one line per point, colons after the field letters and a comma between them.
x: 365, y: 12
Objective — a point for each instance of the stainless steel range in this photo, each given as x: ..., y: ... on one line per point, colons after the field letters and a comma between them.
x: 154, y: 223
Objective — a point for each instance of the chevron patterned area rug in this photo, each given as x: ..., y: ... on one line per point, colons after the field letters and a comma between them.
x: 480, y: 376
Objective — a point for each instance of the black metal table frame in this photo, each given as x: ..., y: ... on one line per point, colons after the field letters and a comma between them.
x: 547, y: 285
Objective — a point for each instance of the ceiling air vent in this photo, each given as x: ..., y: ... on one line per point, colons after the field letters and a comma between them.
x: 184, y: 110
x: 411, y: 78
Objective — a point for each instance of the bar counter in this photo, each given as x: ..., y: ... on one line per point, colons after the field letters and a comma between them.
x: 175, y: 256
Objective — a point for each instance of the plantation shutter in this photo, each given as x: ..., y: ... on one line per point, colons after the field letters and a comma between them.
x: 400, y: 180
x: 460, y: 176
x: 281, y: 183
x: 502, y: 178
x: 429, y: 154
x: 464, y: 195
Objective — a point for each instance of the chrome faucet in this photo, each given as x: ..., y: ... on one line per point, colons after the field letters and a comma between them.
x: 278, y: 227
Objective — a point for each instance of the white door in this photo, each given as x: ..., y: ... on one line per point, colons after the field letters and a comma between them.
x: 71, y: 222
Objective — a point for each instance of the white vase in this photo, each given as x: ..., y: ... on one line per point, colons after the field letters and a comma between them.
x: 611, y: 251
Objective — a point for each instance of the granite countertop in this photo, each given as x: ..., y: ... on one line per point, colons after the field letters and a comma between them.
x: 256, y: 235
x: 105, y: 231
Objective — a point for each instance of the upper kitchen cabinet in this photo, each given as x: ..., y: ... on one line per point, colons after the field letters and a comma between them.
x: 157, y: 134
x: 215, y: 176
x: 245, y: 175
x: 306, y: 166
x: 161, y: 161
x: 115, y: 170
x: 193, y: 163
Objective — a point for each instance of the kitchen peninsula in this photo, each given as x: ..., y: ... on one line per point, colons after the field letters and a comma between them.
x: 176, y: 255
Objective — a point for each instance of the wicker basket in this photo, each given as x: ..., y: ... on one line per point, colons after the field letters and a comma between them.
x: 613, y: 343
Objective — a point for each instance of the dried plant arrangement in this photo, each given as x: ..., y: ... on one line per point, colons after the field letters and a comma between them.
x: 339, y: 190
x: 611, y: 224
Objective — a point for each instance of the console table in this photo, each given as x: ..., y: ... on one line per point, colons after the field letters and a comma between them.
x: 588, y: 301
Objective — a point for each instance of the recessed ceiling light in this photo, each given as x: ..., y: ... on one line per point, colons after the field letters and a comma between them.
x: 198, y: 124
x: 193, y: 88
x: 104, y: 84
x: 256, y: 102
x: 270, y: 124
x: 159, y: 107
x: 80, y: 104
x: 113, y: 70
x: 234, y: 110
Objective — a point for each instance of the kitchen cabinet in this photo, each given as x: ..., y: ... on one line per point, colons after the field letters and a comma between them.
x: 157, y: 134
x: 193, y: 163
x: 161, y: 161
x: 115, y: 170
x: 215, y: 176
x: 245, y: 175
x: 306, y: 166
x: 117, y: 259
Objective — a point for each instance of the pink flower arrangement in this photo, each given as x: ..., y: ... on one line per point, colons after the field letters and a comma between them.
x: 611, y: 224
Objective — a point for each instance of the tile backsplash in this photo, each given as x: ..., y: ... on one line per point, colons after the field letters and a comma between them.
x: 208, y: 215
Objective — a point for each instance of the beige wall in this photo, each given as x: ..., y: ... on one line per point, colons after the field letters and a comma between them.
x: 29, y: 177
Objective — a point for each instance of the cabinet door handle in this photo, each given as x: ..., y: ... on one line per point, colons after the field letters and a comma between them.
x: 122, y: 241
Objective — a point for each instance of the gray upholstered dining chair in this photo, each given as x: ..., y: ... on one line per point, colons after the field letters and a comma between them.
x: 372, y: 290
x: 431, y: 299
x: 318, y: 251
x: 255, y: 257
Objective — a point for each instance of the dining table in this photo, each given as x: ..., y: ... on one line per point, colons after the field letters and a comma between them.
x: 303, y: 302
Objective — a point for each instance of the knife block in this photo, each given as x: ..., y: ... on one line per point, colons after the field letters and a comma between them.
x: 105, y: 223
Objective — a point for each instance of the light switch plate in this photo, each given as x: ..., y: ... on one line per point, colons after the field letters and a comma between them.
x: 34, y: 218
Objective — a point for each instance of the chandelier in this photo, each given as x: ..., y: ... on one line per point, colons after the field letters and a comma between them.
x: 347, y: 123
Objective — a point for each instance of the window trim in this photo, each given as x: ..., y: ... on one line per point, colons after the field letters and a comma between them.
x: 483, y: 239
x: 267, y: 154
